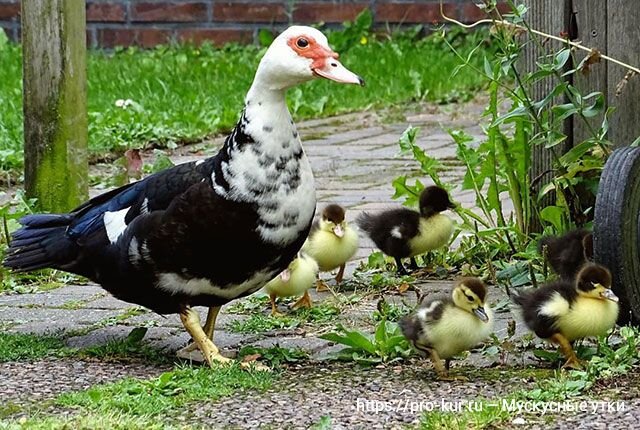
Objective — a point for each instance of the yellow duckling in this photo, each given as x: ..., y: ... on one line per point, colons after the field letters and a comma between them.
x: 331, y: 242
x: 402, y: 232
x: 295, y: 280
x: 444, y: 327
x: 564, y: 311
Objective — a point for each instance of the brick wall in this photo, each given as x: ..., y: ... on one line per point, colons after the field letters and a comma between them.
x: 150, y: 22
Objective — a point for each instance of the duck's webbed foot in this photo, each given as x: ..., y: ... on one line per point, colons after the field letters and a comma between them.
x: 443, y: 370
x: 304, y: 302
x: 321, y: 286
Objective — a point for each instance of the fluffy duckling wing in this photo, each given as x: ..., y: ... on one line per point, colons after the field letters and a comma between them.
x: 542, y: 307
x: 391, y: 230
x: 415, y: 326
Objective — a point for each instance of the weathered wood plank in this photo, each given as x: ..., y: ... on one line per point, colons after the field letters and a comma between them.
x: 623, y: 40
x: 591, y: 24
x: 55, y: 109
x: 550, y: 16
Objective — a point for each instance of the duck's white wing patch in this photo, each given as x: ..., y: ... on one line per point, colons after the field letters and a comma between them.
x: 114, y: 223
x: 429, y: 312
x: 395, y: 232
x: 555, y: 307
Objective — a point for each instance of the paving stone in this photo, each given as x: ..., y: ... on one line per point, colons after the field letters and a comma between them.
x: 54, y: 298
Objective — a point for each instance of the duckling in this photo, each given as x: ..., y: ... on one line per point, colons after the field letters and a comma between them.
x: 444, y: 327
x: 402, y: 232
x: 331, y: 242
x: 295, y: 280
x: 564, y: 311
x: 566, y: 254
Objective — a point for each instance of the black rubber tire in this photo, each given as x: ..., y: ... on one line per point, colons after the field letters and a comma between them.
x: 616, y: 229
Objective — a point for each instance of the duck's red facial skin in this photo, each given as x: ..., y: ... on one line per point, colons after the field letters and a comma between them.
x: 324, y: 62
x: 312, y: 50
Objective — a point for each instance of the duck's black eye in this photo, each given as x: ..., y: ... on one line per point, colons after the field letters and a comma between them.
x: 302, y: 42
x: 469, y: 298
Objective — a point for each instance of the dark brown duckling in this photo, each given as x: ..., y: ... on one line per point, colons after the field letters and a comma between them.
x: 566, y: 254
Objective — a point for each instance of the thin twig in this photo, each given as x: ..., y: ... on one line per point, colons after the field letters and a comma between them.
x: 539, y: 33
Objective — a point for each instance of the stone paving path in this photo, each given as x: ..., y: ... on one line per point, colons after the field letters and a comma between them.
x: 355, y: 158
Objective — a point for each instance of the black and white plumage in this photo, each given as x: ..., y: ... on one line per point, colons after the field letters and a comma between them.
x: 567, y: 253
x: 206, y: 232
x: 402, y: 232
x: 443, y: 327
x: 564, y: 311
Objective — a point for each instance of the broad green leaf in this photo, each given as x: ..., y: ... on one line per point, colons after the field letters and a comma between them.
x: 553, y: 215
x: 577, y: 152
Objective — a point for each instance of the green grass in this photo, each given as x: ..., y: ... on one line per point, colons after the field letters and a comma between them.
x: 184, y: 93
x: 142, y: 403
x: 169, y: 391
x: 26, y: 346
x: 129, y: 348
x: 18, y: 346
x: 321, y: 313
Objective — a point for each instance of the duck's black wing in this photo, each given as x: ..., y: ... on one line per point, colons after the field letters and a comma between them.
x: 62, y: 241
x: 391, y: 230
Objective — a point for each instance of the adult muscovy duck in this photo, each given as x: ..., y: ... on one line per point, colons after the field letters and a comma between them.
x: 207, y: 232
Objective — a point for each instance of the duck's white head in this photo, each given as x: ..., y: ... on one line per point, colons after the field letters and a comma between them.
x: 300, y: 54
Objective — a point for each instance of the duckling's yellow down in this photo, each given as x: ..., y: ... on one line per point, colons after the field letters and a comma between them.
x: 434, y: 232
x: 584, y: 318
x: 302, y: 276
x: 458, y: 330
x: 329, y: 250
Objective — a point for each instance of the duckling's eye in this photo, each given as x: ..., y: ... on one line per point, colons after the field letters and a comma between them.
x: 302, y: 42
x: 469, y: 298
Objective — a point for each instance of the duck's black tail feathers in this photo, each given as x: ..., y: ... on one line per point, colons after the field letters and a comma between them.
x: 365, y: 222
x: 41, y: 243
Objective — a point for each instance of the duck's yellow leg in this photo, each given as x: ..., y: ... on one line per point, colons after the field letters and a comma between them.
x: 208, y: 329
x: 442, y: 370
x: 274, y: 307
x: 321, y: 286
x: 567, y: 350
x: 340, y: 274
x: 191, y: 321
x: 304, y: 302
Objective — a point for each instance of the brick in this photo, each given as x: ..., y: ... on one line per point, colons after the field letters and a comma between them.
x: 504, y: 7
x: 327, y: 12
x: 9, y: 10
x: 169, y: 12
x: 143, y: 37
x: 414, y: 12
x: 249, y: 12
x: 216, y: 36
x: 106, y: 12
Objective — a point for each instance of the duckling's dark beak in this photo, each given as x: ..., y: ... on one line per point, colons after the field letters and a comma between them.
x: 451, y: 205
x: 609, y: 295
x: 481, y: 313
